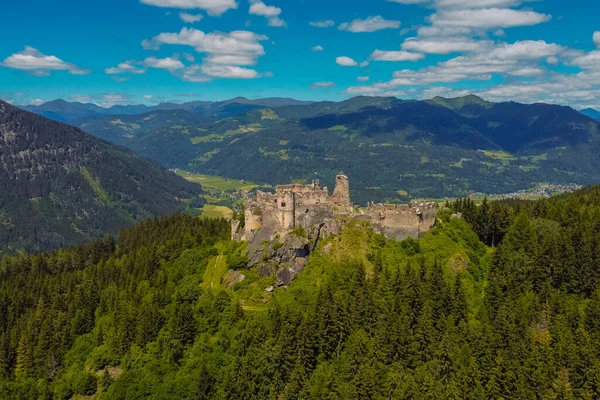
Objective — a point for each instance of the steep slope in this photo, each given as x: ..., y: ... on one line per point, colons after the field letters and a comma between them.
x: 120, y: 129
x: 61, y: 186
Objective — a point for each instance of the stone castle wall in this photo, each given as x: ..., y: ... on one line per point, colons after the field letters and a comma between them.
x: 311, y: 207
x: 401, y: 221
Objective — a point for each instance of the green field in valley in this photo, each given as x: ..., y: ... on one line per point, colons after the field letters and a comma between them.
x: 217, y: 182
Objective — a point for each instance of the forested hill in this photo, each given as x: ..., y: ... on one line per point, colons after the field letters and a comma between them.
x: 391, y: 149
x: 60, y: 186
x: 156, y: 314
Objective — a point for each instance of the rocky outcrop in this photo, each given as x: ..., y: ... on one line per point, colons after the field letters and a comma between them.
x: 284, y: 227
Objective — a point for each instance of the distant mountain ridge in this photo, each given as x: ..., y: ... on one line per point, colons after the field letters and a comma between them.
x: 590, y: 112
x: 392, y: 149
x: 61, y: 186
x: 64, y: 111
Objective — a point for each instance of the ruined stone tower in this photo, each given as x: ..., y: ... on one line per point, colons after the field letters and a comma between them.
x: 341, y: 194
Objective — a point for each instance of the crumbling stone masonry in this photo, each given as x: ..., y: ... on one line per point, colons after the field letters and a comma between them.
x: 311, y: 209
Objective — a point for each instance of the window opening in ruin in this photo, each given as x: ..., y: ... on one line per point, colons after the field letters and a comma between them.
x: 282, y: 204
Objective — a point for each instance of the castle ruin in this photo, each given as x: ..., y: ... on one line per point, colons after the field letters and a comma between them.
x: 311, y: 209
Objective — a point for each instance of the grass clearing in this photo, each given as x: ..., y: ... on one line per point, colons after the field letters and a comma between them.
x: 212, y: 211
x: 213, y: 137
x: 267, y: 113
x: 217, y: 182
x: 215, y: 270
x: 499, y: 155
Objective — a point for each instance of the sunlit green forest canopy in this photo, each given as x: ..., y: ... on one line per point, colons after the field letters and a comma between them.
x: 501, y: 303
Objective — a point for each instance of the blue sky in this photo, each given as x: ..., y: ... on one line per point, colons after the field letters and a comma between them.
x: 148, y: 51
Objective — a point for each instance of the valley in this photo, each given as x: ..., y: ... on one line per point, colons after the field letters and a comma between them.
x: 394, y: 150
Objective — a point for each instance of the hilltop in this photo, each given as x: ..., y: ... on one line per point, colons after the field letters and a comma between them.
x: 61, y: 186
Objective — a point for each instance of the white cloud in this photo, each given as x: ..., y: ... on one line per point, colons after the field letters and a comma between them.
x: 371, y: 24
x: 443, y: 31
x: 232, y: 43
x: 257, y: 7
x: 488, y: 18
x: 596, y: 38
x: 126, y: 67
x: 148, y: 96
x: 318, y: 48
x: 364, y: 64
x: 444, y: 45
x: 362, y: 78
x: 193, y: 73
x: 346, y: 61
x: 318, y: 85
x: 190, y: 18
x: 527, y: 72
x: 230, y: 59
x: 188, y: 57
x: 36, y: 102
x: 33, y: 60
x: 462, y: 4
x: 212, y: 7
x: 229, y: 71
x: 380, y: 55
x: 525, y: 49
x: 111, y: 99
x: 81, y: 98
x: 168, y: 63
x: 120, y: 79
x: 322, y: 24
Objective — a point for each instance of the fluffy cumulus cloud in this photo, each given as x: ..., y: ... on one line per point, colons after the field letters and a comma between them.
x: 488, y: 18
x: 469, y: 34
x: 322, y: 24
x: 232, y: 43
x: 212, y: 7
x: 126, y: 67
x: 168, y: 63
x: 371, y: 24
x: 257, y: 7
x: 228, y: 71
x: 225, y: 54
x: 346, y: 61
x: 322, y: 85
x: 401, y: 55
x: 36, y: 102
x: 444, y: 46
x: 39, y: 64
x: 190, y: 18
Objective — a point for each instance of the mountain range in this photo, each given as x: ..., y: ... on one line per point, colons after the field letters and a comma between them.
x: 391, y: 149
x: 61, y: 186
x: 64, y: 111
